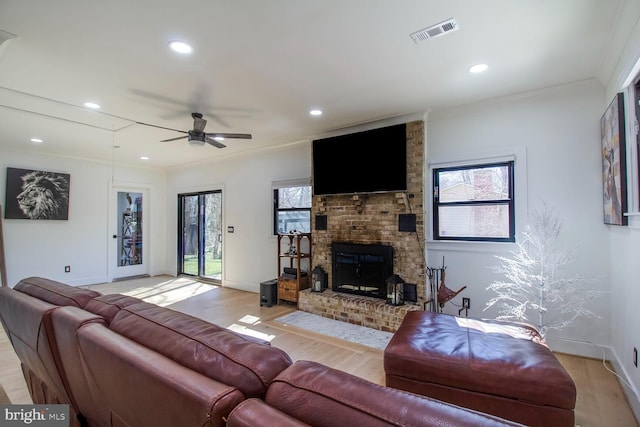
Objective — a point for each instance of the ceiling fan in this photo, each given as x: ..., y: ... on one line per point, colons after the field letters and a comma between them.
x: 197, y: 136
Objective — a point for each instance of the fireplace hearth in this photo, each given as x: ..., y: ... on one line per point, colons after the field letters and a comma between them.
x: 361, y: 269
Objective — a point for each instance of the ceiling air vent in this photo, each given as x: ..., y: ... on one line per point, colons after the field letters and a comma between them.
x: 435, y: 30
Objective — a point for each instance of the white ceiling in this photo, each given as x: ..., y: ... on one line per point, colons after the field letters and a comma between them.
x: 258, y: 67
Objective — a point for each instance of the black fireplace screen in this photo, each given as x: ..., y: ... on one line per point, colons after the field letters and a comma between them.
x: 361, y: 269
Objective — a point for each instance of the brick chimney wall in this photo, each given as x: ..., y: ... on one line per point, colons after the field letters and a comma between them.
x: 373, y: 219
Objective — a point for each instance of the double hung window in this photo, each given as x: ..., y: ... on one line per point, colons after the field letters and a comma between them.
x: 292, y: 209
x: 474, y: 203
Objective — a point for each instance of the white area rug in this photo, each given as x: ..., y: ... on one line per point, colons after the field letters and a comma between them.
x: 335, y: 328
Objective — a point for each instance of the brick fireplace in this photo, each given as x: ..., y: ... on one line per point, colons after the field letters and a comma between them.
x: 372, y: 219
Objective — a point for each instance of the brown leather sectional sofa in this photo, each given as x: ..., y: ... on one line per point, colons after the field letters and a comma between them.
x: 118, y: 361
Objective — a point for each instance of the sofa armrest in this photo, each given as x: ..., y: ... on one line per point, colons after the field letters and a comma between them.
x: 254, y: 412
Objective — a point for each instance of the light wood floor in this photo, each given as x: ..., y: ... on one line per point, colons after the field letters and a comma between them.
x: 600, y: 402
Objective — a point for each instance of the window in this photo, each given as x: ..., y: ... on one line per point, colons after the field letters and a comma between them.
x: 474, y: 203
x: 292, y: 209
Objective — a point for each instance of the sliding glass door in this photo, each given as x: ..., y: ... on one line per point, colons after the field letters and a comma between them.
x: 200, y: 235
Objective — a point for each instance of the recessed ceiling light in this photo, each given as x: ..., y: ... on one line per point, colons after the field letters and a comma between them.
x: 38, y: 140
x: 315, y: 112
x: 219, y: 138
x: 180, y: 47
x: 478, y: 68
x: 92, y: 105
x: 144, y: 158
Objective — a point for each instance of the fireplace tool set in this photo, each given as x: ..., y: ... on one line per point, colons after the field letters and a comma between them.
x: 439, y: 293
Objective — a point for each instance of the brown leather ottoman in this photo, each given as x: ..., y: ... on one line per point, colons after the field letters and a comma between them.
x: 500, y: 368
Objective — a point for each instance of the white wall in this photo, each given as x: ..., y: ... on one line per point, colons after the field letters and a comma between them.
x: 249, y: 253
x: 625, y: 284
x: 558, y: 128
x: 43, y: 247
x: 625, y: 241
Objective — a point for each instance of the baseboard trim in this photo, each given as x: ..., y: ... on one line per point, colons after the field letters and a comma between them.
x: 629, y: 389
x: 137, y: 276
x: 85, y: 281
x: 599, y: 351
x: 241, y: 286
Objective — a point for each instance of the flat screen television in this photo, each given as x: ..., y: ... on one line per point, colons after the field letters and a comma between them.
x: 371, y: 161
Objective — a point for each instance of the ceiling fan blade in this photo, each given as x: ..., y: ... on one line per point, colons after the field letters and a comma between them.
x: 175, y: 139
x: 230, y: 135
x: 199, y: 123
x: 160, y: 127
x: 214, y: 142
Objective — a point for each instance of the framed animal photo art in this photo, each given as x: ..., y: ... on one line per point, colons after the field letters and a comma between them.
x: 34, y: 194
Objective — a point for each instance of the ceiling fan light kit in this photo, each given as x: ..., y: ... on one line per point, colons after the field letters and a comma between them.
x: 196, y: 142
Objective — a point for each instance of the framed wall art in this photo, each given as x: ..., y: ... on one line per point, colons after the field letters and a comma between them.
x: 614, y: 170
x: 3, y: 264
x: 34, y: 194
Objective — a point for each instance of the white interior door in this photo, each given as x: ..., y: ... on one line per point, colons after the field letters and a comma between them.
x: 128, y: 248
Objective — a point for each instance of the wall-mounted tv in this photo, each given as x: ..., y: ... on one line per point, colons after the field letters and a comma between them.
x: 371, y: 161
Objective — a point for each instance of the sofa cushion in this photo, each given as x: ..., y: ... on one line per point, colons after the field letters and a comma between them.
x: 66, y: 322
x: 140, y: 387
x: 108, y: 306
x: 253, y: 412
x: 321, y: 396
x: 55, y: 292
x: 207, y: 348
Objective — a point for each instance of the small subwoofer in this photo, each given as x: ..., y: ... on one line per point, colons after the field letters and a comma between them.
x: 269, y: 293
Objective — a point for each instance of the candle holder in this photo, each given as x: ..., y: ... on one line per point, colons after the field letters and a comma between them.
x: 395, y: 290
x: 318, y: 279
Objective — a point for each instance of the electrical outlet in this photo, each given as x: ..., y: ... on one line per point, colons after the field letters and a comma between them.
x: 635, y: 357
x: 67, y: 269
x: 466, y: 303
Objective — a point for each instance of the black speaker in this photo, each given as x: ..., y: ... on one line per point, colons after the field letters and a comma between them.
x: 321, y: 222
x: 410, y: 291
x: 407, y: 222
x: 269, y: 293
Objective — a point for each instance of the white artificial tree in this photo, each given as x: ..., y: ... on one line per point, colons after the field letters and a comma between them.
x: 535, y: 289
